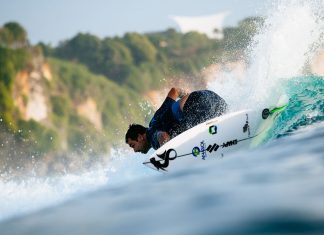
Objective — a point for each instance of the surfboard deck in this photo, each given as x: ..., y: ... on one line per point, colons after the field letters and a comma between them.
x: 214, y: 138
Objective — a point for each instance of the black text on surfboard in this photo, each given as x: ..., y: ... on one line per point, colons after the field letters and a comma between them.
x: 166, y: 157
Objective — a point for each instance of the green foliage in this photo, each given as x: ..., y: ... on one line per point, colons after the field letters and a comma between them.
x: 152, y: 75
x: 40, y: 138
x: 47, y: 50
x: 71, y: 85
x: 6, y: 107
x: 84, y: 48
x: 192, y: 41
x: 129, y: 60
x: 83, y: 138
x: 135, y: 80
x: 5, y: 37
x: 115, y: 52
x: 16, y: 30
x: 168, y: 42
x: 73, y: 78
x: 142, y: 49
x: 116, y: 60
x: 11, y: 60
x: 6, y: 102
x: 112, y: 101
x: 21, y: 58
x: 7, y: 72
x: 60, y: 105
x: 13, y: 35
x: 185, y: 65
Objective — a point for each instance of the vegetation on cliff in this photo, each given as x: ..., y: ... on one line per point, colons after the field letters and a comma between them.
x: 142, y: 61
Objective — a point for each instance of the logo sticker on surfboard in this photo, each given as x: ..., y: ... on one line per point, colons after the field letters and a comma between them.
x: 213, y: 130
x: 246, y: 127
x: 196, y: 150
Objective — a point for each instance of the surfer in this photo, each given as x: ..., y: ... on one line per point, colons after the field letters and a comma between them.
x: 179, y: 112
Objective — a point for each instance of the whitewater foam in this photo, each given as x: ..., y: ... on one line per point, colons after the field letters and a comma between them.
x: 291, y: 36
x: 30, y: 194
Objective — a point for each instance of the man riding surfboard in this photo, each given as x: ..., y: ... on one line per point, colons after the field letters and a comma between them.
x: 178, y: 112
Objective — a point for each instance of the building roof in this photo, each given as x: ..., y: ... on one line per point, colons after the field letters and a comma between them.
x: 210, y: 25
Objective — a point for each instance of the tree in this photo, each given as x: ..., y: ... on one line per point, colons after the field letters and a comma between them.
x: 6, y: 106
x: 141, y: 47
x: 115, y: 52
x: 84, y: 48
x: 5, y: 37
x: 18, y: 34
x: 116, y: 60
x: 193, y: 41
x: 47, y: 49
x: 7, y: 68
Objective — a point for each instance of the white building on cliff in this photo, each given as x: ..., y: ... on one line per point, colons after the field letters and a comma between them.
x: 211, y: 25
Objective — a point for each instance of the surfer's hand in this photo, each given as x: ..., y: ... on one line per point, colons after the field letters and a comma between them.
x: 175, y: 93
x: 182, y: 93
x: 163, y: 137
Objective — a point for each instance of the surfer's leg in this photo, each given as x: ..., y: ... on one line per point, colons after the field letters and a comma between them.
x: 201, y: 106
x: 194, y: 109
x: 215, y: 105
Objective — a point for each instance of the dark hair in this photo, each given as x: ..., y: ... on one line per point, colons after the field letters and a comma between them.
x: 134, y: 130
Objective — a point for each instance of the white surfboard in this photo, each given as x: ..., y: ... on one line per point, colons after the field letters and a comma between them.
x: 214, y: 138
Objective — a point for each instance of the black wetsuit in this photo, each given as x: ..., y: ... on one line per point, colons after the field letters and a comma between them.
x: 199, y: 107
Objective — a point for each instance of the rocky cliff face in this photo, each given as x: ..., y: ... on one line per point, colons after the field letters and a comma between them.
x: 28, y: 92
x: 32, y: 100
x: 89, y: 111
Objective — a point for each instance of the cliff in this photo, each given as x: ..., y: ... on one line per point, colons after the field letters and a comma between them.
x: 66, y: 117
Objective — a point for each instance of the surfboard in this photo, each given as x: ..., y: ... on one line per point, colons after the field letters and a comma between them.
x: 214, y: 138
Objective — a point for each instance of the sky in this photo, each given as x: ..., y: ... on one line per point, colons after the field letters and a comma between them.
x: 53, y: 21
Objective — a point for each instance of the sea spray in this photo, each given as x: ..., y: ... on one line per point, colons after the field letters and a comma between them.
x: 126, y: 166
x: 24, y: 196
x: 291, y: 35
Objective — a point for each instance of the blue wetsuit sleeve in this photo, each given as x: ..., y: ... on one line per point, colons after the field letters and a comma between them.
x: 152, y: 138
x: 160, y: 114
x: 160, y: 121
x: 155, y: 142
x: 176, y: 111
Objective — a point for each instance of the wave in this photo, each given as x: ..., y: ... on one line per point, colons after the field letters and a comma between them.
x: 292, y: 35
x: 305, y: 107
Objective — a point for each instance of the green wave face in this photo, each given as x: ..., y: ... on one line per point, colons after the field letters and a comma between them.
x: 305, y: 107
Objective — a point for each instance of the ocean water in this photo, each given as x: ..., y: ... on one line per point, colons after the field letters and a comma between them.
x: 277, y: 188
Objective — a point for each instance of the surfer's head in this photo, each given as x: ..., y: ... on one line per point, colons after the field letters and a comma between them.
x: 136, y: 138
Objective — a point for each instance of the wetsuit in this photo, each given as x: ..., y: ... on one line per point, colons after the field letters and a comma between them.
x: 199, y: 107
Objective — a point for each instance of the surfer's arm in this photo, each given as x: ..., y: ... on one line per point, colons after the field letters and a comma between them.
x: 175, y: 93
x: 162, y: 137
